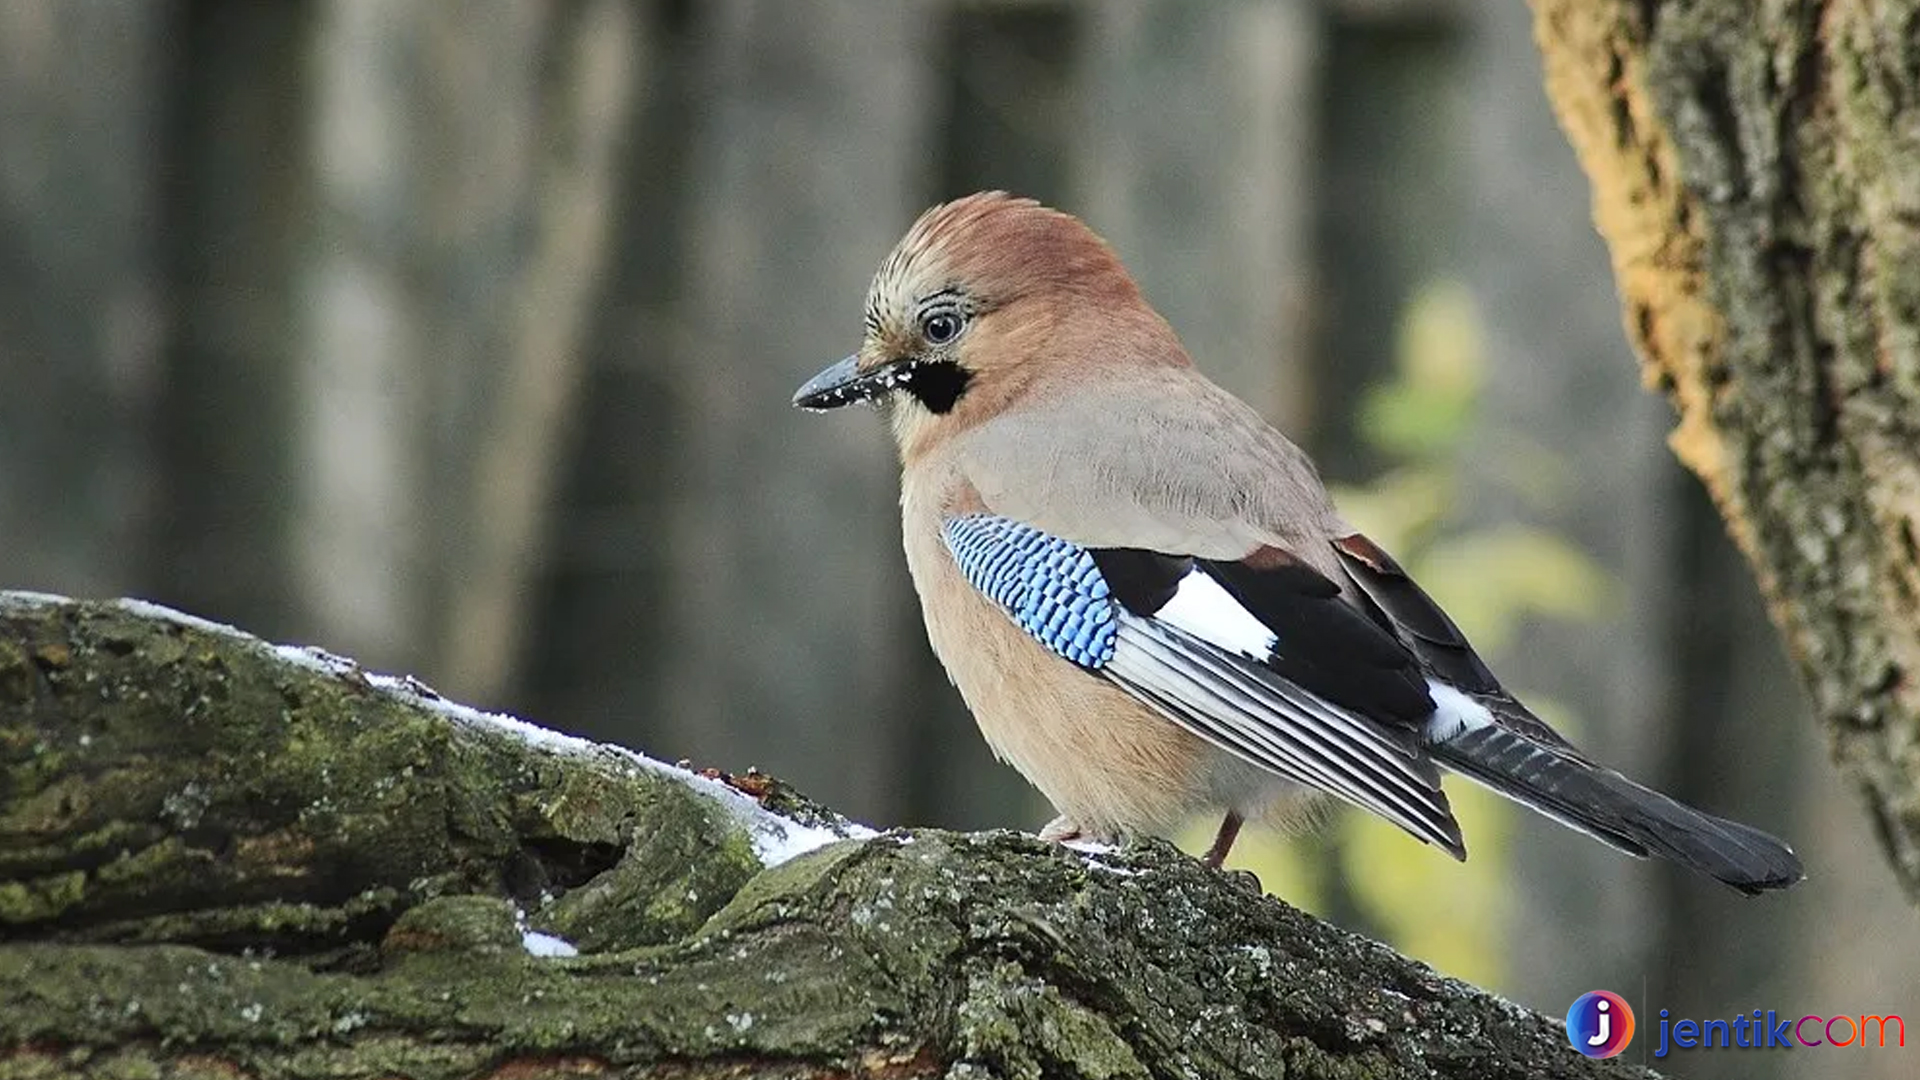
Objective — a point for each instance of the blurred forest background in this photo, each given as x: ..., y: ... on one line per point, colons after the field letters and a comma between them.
x: 458, y: 337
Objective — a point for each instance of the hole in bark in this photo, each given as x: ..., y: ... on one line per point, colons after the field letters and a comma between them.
x: 1623, y: 129
x: 1714, y: 96
x: 117, y: 646
x: 1643, y: 323
x: 552, y: 864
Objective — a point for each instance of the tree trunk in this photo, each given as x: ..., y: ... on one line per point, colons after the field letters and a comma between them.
x: 233, y: 199
x: 1223, y: 250
x: 806, y: 152
x: 1752, y: 169
x: 221, y: 857
x: 79, y: 199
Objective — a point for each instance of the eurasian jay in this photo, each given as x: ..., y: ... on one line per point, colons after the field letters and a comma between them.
x: 1143, y: 591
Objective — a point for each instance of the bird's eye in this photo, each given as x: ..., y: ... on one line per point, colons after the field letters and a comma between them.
x: 941, y: 328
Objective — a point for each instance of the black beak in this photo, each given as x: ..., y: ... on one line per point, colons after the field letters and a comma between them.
x: 844, y: 384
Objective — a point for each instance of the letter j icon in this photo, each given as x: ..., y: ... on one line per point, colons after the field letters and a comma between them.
x: 1600, y: 1023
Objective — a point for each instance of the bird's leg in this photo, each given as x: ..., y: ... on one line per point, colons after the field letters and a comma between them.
x: 1223, y: 840
x: 1060, y: 830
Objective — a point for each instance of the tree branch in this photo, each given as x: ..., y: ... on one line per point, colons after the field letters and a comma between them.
x: 216, y: 855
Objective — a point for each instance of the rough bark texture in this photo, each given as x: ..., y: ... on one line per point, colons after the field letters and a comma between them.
x: 217, y: 858
x: 1753, y: 174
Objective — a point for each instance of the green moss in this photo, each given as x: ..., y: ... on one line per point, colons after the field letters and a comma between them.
x: 464, y: 923
x: 41, y: 899
x: 266, y: 776
x: 16, y: 689
x: 1020, y: 1026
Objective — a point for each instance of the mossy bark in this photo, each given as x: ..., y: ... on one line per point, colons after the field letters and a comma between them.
x: 218, y: 858
x: 1756, y: 173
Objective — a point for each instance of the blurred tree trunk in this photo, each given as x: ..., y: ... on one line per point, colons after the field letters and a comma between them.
x: 463, y: 173
x: 237, y: 188
x: 787, y: 605
x: 367, y: 203
x: 1752, y: 172
x: 1392, y: 106
x: 82, y: 315
x: 589, y: 67
x: 1196, y: 159
x: 598, y: 639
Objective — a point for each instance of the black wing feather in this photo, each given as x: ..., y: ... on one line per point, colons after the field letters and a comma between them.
x: 1422, y: 626
x: 1143, y: 581
x: 1324, y: 643
x: 1517, y: 755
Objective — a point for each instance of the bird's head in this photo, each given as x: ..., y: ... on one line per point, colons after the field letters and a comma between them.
x: 982, y: 300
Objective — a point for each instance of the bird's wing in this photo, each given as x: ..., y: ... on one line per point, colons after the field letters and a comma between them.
x: 1259, y: 658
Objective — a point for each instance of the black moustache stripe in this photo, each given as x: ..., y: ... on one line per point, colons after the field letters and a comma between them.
x: 936, y: 384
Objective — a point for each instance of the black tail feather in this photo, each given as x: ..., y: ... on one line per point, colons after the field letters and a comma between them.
x: 1617, y: 811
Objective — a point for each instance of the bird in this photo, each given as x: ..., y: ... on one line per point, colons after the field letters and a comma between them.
x: 1144, y: 593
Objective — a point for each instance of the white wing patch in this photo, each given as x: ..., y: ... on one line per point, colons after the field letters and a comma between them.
x: 1454, y: 713
x: 1201, y: 607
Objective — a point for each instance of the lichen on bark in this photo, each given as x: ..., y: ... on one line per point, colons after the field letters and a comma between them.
x: 1752, y: 170
x: 217, y: 857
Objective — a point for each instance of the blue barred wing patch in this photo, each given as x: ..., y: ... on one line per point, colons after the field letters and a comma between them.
x: 1049, y: 587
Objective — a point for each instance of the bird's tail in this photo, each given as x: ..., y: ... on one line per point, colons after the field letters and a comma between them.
x: 1611, y: 808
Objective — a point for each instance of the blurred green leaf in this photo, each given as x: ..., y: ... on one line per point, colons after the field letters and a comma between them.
x: 1440, y: 360
x: 1540, y: 475
x: 1402, y: 507
x: 1492, y: 581
x: 1433, y: 908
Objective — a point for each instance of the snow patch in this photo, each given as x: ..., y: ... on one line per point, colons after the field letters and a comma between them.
x: 147, y: 609
x: 23, y: 600
x: 1091, y: 852
x: 546, y: 945
x: 1108, y: 868
x: 781, y: 840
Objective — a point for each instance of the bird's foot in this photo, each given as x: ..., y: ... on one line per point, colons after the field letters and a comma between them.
x: 1067, y: 831
x: 1061, y: 829
x: 1245, y: 879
